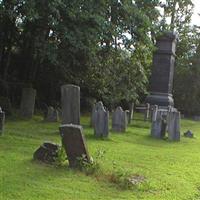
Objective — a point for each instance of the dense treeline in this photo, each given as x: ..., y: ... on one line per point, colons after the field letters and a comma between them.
x: 104, y: 46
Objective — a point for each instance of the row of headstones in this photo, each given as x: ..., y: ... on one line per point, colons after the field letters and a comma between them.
x: 166, y: 120
x: 100, y: 120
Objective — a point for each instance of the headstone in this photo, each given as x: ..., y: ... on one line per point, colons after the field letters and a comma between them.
x: 70, y: 101
x: 128, y: 118
x: 74, y: 143
x: 174, y: 126
x: 47, y: 152
x: 27, y: 102
x: 131, y: 111
x: 156, y: 123
x: 147, y: 112
x: 101, y: 121
x: 119, y: 120
x: 189, y: 134
x: 52, y: 115
x: 95, y: 107
x: 2, y: 121
x: 161, y: 81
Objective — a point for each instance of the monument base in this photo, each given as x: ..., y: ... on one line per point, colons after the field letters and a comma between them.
x: 160, y: 99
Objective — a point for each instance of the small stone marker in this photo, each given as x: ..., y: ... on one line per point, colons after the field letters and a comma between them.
x: 52, y: 115
x: 101, y: 121
x: 2, y: 121
x: 27, y: 102
x: 189, y: 134
x: 70, y: 101
x: 174, y: 125
x: 74, y: 143
x: 47, y: 152
x: 119, y: 120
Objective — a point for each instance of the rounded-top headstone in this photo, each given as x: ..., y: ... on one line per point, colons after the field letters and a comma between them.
x: 70, y: 102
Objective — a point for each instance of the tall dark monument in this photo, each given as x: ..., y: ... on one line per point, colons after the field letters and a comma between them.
x: 161, y: 82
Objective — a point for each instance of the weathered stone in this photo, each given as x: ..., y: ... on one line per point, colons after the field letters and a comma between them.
x: 70, y: 100
x: 159, y: 122
x: 147, y: 112
x: 131, y: 112
x: 174, y: 126
x: 48, y: 152
x: 27, y: 102
x: 119, y: 120
x: 74, y: 144
x: 189, y: 134
x: 2, y: 121
x: 163, y: 71
x: 101, y: 121
x: 52, y: 115
x: 95, y: 108
x: 128, y: 118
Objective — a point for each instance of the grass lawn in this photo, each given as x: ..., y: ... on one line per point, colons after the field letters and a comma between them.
x: 172, y: 169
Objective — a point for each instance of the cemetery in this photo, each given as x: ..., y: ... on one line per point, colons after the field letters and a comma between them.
x: 99, y: 106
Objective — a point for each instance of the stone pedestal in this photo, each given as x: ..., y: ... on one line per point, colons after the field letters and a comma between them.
x: 27, y: 102
x: 161, y: 81
x: 70, y: 101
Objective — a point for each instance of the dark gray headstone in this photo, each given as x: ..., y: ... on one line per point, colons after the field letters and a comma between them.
x: 70, y: 101
x: 27, y: 102
x: 101, y: 121
x: 163, y: 71
x: 52, y: 115
x: 2, y: 121
x: 74, y: 143
x: 119, y: 120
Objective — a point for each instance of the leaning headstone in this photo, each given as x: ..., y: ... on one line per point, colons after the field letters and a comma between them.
x: 174, y: 126
x: 2, y: 121
x: 70, y: 101
x: 189, y: 134
x: 101, y: 121
x: 74, y: 144
x: 27, y: 102
x: 52, y: 115
x: 119, y: 120
x: 47, y: 152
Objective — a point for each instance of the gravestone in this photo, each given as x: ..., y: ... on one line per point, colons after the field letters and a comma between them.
x: 2, y: 121
x: 131, y: 111
x: 119, y: 120
x: 74, y: 144
x: 174, y: 125
x: 156, y: 123
x: 52, y: 115
x: 128, y: 118
x: 95, y: 107
x: 147, y: 112
x: 70, y: 101
x: 27, y: 102
x: 161, y: 81
x: 101, y: 121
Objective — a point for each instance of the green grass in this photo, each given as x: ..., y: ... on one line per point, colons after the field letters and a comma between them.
x: 172, y: 169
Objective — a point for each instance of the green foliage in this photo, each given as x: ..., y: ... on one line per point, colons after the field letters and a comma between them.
x: 124, y: 178
x: 61, y: 158
x: 93, y: 166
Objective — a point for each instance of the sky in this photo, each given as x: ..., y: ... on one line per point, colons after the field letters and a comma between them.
x: 196, y: 17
